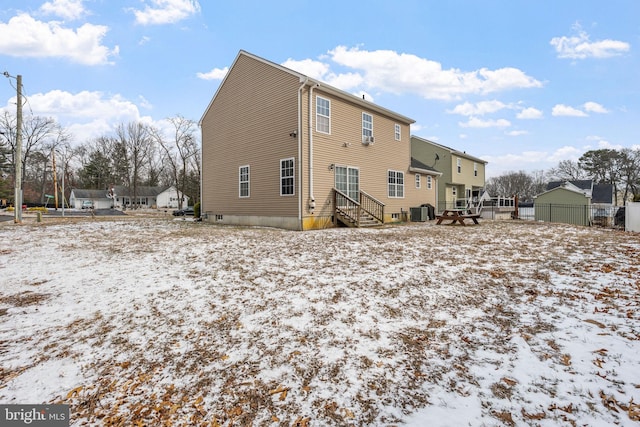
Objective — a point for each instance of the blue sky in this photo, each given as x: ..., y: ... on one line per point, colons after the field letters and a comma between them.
x: 522, y: 84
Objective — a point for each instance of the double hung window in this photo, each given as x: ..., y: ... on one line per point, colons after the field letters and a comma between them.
x: 395, y: 181
x: 243, y: 181
x: 323, y: 115
x: 287, y: 177
x: 367, y: 125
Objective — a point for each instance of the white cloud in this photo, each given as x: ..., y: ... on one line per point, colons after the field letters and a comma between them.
x: 85, y: 114
x: 166, y: 11
x: 579, y: 46
x: 602, y: 143
x: 23, y: 36
x: 565, y: 110
x: 405, y: 73
x: 478, y: 109
x: 67, y: 9
x: 594, y: 107
x: 566, y: 152
x: 475, y: 122
x: 322, y: 71
x: 530, y: 160
x: 529, y: 113
x: 517, y: 133
x: 215, y: 74
x: 314, y: 69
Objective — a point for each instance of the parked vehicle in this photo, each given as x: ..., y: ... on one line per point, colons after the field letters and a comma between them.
x: 87, y: 204
x: 184, y: 212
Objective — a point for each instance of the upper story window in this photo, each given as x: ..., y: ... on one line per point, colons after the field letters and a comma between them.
x: 323, y: 115
x: 459, y: 165
x: 418, y: 181
x: 287, y: 174
x: 475, y: 169
x: 243, y: 181
x: 367, y: 125
x: 398, y: 134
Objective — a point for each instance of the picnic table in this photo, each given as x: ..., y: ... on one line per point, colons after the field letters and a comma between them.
x: 456, y: 215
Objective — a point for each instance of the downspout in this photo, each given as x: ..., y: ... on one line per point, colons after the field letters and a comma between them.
x: 299, y: 130
x: 312, y: 199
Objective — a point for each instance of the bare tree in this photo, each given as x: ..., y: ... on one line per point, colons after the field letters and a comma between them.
x: 511, y: 184
x: 180, y: 149
x: 567, y: 170
x: 38, y: 135
x: 630, y: 173
x: 134, y: 145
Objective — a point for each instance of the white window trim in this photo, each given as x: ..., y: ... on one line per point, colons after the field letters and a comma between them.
x: 322, y: 115
x: 429, y: 182
x: 365, y: 131
x: 293, y: 176
x: 397, y: 173
x: 475, y: 169
x: 398, y: 132
x: 240, y: 182
x: 459, y: 165
x: 418, y: 181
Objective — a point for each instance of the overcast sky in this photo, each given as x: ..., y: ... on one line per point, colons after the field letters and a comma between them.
x: 522, y: 84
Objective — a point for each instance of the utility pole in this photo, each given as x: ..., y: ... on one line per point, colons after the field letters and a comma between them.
x: 55, y: 177
x: 18, y: 180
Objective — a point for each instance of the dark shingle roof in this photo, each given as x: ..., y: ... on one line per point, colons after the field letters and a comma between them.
x: 419, y: 165
x: 89, y: 194
x: 602, y: 193
x: 583, y: 184
x: 143, y: 191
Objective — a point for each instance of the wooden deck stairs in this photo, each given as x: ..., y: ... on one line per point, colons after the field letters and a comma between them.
x: 366, y: 212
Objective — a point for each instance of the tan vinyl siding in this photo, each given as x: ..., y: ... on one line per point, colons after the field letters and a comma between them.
x: 344, y: 147
x: 248, y: 123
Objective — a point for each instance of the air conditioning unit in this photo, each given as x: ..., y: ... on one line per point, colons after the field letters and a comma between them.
x: 420, y: 214
x: 366, y: 140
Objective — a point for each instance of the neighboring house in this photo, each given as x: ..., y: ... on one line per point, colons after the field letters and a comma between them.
x: 99, y: 198
x: 282, y: 149
x: 168, y: 198
x: 575, y: 202
x: 463, y: 175
x: 119, y: 196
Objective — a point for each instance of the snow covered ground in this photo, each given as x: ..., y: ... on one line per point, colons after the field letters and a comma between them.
x: 151, y: 321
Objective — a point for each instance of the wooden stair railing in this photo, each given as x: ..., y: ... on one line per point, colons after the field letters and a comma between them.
x: 368, y: 211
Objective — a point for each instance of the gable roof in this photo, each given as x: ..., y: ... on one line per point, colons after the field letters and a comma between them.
x: 566, y: 186
x: 80, y: 193
x: 143, y: 191
x: 418, y: 166
x: 119, y: 190
x: 452, y: 151
x: 599, y: 193
x: 306, y: 80
x: 602, y: 193
x: 583, y: 184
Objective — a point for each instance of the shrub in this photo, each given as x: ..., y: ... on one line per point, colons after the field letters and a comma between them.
x: 196, y: 210
x: 38, y: 209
